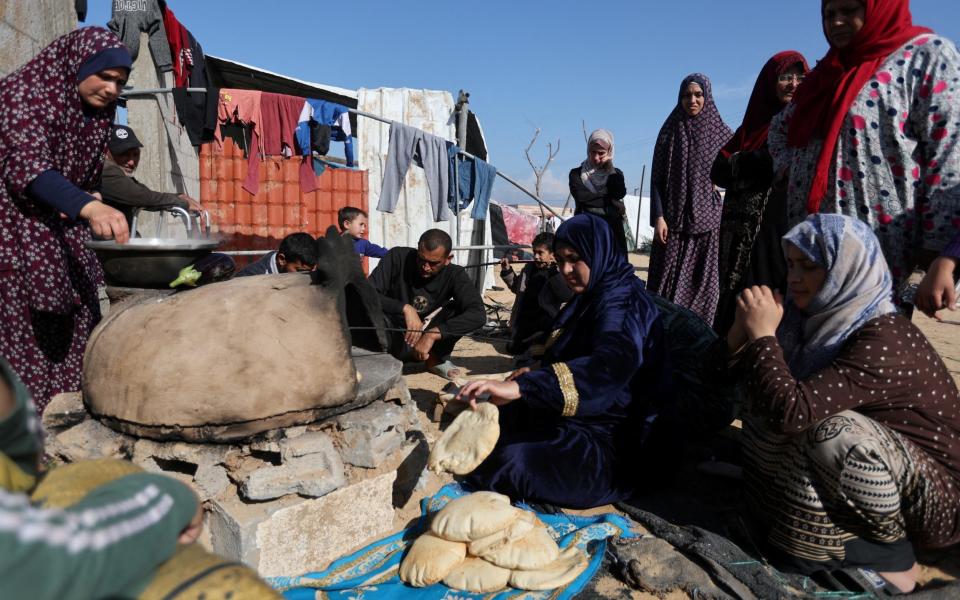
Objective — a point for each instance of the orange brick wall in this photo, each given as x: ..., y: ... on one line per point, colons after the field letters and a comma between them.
x: 248, y: 222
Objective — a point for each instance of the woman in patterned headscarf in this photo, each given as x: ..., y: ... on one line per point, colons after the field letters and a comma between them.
x: 872, y: 134
x: 852, y: 424
x: 685, y: 205
x: 55, y: 116
x: 598, y: 187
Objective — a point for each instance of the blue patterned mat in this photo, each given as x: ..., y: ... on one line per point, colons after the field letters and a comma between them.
x: 371, y: 573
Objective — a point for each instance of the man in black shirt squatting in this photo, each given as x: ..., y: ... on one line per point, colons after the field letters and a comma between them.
x: 415, y: 283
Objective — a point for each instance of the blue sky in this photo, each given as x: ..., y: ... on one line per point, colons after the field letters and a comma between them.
x: 529, y: 64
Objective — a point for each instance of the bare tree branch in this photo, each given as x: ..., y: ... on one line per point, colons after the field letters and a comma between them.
x: 536, y: 134
x: 539, y: 172
x: 583, y: 124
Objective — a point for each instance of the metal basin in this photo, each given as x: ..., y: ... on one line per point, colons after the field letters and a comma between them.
x: 148, y: 262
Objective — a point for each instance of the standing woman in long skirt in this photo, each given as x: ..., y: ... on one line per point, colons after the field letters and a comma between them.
x: 55, y: 117
x: 754, y: 216
x: 685, y: 205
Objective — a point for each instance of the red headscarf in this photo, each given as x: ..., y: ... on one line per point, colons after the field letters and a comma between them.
x: 825, y: 97
x: 764, y: 103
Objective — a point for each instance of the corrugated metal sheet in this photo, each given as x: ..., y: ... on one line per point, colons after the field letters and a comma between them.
x: 433, y: 112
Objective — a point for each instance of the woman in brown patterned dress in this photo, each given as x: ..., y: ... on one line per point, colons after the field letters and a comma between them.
x: 852, y: 457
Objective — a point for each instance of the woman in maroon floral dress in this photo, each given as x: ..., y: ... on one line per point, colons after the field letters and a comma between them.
x: 55, y: 116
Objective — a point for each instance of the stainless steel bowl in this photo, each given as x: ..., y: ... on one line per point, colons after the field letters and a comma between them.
x: 148, y: 262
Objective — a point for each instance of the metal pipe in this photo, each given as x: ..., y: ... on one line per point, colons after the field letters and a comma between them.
x: 463, y: 102
x: 130, y: 92
x: 491, y: 247
x: 636, y: 232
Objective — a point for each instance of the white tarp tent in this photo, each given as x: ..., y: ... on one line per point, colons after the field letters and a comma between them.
x: 433, y: 112
x: 635, y: 205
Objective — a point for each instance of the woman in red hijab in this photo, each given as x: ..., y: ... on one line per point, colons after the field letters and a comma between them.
x: 744, y: 169
x: 872, y: 134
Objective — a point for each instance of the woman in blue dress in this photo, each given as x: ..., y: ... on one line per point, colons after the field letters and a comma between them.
x: 570, y: 431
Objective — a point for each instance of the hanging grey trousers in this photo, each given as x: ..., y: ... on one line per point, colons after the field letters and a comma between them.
x: 430, y: 152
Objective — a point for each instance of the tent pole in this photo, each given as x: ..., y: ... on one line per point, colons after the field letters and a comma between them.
x: 636, y: 232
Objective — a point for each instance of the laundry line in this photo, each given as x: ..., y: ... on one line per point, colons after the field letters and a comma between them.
x: 454, y: 249
x: 359, y: 113
x: 508, y: 179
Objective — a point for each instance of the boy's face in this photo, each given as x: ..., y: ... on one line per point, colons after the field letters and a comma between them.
x: 293, y: 266
x: 357, y: 227
x: 543, y: 257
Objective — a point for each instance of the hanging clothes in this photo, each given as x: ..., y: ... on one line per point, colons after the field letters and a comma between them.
x: 179, y: 39
x: 128, y: 19
x: 428, y: 151
x: 244, y: 106
x: 280, y: 114
x: 197, y: 111
x: 331, y: 115
x: 336, y: 116
x: 476, y: 183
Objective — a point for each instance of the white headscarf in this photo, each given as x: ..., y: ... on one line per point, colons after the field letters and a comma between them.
x: 858, y: 288
x: 594, y: 177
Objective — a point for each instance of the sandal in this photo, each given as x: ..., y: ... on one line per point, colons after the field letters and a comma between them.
x: 858, y: 580
x: 447, y: 370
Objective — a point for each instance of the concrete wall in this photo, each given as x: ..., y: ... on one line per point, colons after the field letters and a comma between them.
x: 27, y: 26
x: 168, y: 162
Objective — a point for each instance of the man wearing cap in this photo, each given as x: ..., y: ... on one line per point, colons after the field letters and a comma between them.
x: 121, y: 189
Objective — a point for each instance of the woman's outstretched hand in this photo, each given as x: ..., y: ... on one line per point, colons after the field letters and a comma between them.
x: 499, y: 392
x: 106, y: 222
x: 760, y: 310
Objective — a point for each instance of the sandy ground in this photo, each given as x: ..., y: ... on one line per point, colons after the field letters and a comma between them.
x: 487, y: 356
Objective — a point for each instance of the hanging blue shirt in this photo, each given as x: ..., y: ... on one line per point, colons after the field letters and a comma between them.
x: 325, y: 113
x: 476, y: 183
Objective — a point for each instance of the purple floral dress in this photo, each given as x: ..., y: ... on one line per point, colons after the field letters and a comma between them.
x: 48, y: 278
x: 686, y: 270
x: 897, y: 164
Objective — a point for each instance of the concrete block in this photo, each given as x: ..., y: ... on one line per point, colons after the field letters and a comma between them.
x: 65, y: 410
x: 210, y: 481
x: 313, y: 476
x: 265, y: 446
x: 309, y: 535
x: 194, y: 454
x: 89, y: 440
x: 314, y: 442
x: 233, y: 525
x: 399, y: 392
x: 370, y: 435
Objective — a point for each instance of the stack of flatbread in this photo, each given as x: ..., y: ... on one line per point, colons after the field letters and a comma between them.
x: 481, y: 543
